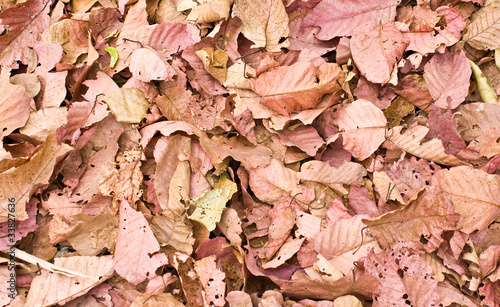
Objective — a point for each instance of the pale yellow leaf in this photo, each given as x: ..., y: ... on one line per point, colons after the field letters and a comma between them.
x: 209, y: 205
x: 128, y: 105
x: 264, y: 22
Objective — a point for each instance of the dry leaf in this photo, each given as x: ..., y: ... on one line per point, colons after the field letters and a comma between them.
x: 264, y: 23
x: 128, y: 105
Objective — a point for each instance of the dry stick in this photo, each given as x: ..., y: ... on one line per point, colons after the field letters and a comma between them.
x: 40, y: 263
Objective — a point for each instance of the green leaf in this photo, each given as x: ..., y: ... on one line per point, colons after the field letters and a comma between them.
x: 114, y: 55
x: 211, y: 204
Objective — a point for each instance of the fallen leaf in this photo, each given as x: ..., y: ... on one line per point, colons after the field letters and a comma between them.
x: 376, y: 55
x: 341, y: 19
x: 128, y: 105
x: 265, y: 24
x: 26, y: 22
x: 134, y: 245
x: 287, y: 89
x: 438, y: 72
x: 474, y: 195
x: 362, y: 125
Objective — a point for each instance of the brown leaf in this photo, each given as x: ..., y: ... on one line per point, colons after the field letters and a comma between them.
x: 19, y: 183
x: 264, y: 23
x: 128, y: 105
x: 475, y: 195
x: 287, y: 89
x: 26, y: 23
x: 420, y: 223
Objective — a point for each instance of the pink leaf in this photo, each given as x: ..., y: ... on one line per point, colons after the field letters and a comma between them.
x: 134, y: 244
x: 442, y: 126
x: 212, y: 280
x: 405, y: 279
x: 447, y: 76
x: 363, y: 128
x: 376, y: 48
x: 14, y: 105
x: 287, y: 89
x: 474, y: 193
x: 272, y: 183
x: 26, y: 23
x: 342, y: 18
x: 420, y: 224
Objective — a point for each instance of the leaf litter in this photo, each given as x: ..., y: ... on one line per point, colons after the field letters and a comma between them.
x: 250, y: 153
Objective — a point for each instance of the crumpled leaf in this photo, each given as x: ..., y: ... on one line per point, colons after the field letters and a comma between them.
x: 215, y: 62
x: 128, y: 105
x: 475, y: 195
x: 420, y: 223
x: 265, y: 23
x: 26, y: 23
x: 210, y: 11
x: 484, y: 31
x: 174, y: 231
x: 123, y: 179
x: 376, y: 48
x: 134, y: 245
x: 287, y: 89
x: 72, y: 35
x: 21, y: 182
x: 362, y: 125
x: 342, y: 18
x: 210, y: 205
x: 438, y: 72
